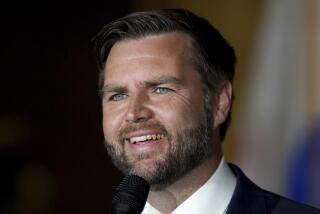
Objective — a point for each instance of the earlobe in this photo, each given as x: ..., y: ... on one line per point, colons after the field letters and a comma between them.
x: 222, y: 103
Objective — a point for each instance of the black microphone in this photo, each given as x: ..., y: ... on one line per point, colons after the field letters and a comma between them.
x: 130, y: 196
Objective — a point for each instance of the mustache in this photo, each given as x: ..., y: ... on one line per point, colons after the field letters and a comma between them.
x: 135, y: 127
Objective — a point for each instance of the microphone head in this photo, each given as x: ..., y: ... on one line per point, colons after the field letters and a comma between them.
x: 130, y: 196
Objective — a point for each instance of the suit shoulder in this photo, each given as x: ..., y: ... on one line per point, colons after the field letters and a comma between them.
x: 279, y: 204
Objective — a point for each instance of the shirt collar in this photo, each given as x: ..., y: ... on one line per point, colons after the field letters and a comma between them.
x: 213, y: 196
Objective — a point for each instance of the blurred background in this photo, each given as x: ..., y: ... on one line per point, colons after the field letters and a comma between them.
x: 52, y: 156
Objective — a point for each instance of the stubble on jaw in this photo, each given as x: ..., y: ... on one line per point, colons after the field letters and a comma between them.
x: 191, y: 148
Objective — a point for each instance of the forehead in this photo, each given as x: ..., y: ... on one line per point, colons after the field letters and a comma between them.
x: 166, y: 52
x: 162, y: 45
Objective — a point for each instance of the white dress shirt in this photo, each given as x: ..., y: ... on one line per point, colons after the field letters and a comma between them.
x: 213, y: 197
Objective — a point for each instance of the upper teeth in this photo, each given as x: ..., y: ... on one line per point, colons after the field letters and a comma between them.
x: 146, y: 137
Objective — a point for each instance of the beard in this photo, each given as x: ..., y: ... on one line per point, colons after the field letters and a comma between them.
x: 188, y: 149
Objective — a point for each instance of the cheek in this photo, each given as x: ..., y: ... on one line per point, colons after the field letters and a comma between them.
x: 179, y: 113
x: 110, y: 122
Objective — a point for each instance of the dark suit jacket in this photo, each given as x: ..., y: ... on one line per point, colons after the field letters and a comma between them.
x: 249, y: 198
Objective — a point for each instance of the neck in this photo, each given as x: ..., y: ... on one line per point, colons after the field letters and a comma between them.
x: 169, y: 198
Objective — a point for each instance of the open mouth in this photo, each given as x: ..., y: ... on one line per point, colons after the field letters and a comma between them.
x: 145, y: 138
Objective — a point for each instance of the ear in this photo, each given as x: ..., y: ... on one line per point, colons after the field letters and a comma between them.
x: 222, y: 103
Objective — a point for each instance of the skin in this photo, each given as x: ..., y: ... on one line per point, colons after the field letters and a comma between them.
x: 148, y: 82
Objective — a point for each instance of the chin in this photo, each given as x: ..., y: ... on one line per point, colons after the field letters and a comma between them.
x: 145, y: 169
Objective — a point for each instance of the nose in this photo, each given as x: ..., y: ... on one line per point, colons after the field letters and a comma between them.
x: 138, y: 111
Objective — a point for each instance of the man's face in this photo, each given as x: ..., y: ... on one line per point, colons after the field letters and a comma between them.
x: 154, y: 121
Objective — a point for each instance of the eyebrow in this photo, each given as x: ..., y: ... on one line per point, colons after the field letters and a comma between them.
x: 162, y: 80
x: 149, y: 83
x: 111, y: 88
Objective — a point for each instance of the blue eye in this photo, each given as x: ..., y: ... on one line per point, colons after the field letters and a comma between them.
x: 162, y: 90
x: 117, y: 97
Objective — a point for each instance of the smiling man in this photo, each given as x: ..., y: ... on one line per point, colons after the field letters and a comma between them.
x: 166, y: 86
